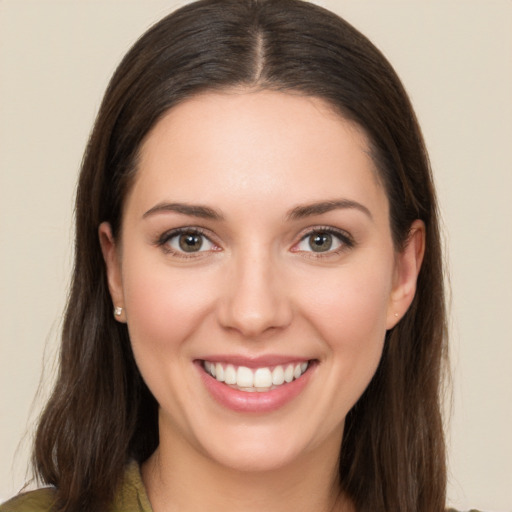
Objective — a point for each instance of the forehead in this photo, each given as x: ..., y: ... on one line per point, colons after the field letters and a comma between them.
x: 256, y: 145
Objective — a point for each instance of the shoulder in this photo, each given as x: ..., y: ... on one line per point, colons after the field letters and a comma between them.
x: 41, y: 500
x: 447, y: 510
x: 131, y: 496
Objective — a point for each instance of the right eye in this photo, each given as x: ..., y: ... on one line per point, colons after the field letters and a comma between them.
x: 186, y: 242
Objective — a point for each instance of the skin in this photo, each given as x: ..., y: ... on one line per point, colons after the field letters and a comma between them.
x: 256, y: 288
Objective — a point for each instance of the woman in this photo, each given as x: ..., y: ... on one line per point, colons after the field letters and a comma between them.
x: 256, y: 208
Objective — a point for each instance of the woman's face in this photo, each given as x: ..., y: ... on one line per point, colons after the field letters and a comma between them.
x: 256, y: 247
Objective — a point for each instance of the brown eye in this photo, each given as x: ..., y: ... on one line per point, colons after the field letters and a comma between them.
x: 190, y: 242
x: 187, y: 241
x: 320, y: 242
x: 324, y: 241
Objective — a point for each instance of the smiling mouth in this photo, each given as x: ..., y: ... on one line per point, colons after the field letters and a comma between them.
x: 261, y: 379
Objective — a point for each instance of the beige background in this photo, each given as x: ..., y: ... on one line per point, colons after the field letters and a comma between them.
x: 455, y: 59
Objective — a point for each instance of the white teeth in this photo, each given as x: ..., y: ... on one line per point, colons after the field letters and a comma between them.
x: 288, y: 373
x: 262, y: 378
x: 278, y: 375
x: 219, y: 372
x: 244, y: 377
x: 259, y: 379
x: 229, y: 374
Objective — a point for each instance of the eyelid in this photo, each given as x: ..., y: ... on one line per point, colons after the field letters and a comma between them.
x: 345, y: 239
x: 164, y: 238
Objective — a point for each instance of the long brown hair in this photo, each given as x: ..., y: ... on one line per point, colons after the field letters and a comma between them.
x: 101, y: 413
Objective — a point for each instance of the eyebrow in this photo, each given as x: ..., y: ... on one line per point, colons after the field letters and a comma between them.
x: 299, y: 212
x: 203, y: 212
x: 308, y: 210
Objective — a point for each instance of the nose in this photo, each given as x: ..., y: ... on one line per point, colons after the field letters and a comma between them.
x: 255, y: 297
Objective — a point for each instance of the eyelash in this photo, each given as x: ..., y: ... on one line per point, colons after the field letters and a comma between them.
x: 345, y: 240
x: 165, y: 238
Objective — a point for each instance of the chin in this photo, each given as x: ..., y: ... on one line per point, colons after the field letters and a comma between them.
x: 269, y: 446
x: 255, y: 458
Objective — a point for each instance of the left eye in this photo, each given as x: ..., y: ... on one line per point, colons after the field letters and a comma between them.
x: 320, y: 241
x: 190, y: 242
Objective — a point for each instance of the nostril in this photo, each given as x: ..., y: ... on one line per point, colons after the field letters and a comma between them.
x: 253, y: 316
x: 254, y: 301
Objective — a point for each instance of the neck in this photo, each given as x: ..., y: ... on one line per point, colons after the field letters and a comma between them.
x: 178, y: 479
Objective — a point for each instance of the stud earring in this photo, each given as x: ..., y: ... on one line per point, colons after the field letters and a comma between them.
x: 396, y: 314
x: 118, y: 310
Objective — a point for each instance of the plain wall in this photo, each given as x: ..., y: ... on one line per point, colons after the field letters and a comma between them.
x: 455, y: 59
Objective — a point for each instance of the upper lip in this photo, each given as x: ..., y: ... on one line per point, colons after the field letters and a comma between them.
x: 255, y: 362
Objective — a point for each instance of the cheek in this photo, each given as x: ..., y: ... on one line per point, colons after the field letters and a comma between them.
x: 351, y: 303
x: 163, y: 309
x: 163, y: 306
x: 349, y: 312
x: 347, y: 308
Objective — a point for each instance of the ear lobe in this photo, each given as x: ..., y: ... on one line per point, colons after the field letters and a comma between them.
x: 112, y: 262
x: 407, y: 267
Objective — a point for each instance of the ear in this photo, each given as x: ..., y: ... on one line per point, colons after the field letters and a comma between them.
x: 113, y: 263
x: 407, y: 267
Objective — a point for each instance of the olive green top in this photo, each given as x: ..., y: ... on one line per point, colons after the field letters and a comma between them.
x: 132, y: 497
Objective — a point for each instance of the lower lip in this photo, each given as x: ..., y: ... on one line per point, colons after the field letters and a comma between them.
x: 257, y: 401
